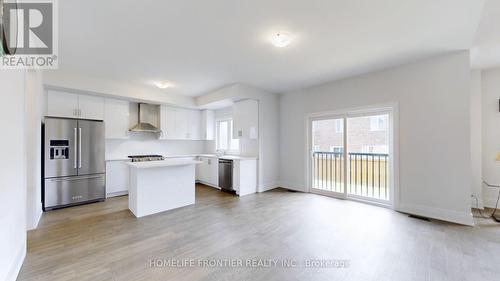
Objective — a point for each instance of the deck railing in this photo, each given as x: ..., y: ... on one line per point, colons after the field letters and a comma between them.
x: 367, y: 175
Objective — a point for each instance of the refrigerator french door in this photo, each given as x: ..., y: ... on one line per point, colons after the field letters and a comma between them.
x: 74, y: 167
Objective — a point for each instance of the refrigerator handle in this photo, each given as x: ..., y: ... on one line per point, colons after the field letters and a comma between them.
x: 76, y: 154
x: 79, y: 147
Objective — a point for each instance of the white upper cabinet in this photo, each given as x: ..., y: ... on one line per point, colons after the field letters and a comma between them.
x: 246, y: 119
x: 180, y: 124
x: 116, y: 118
x: 194, y: 126
x: 91, y: 107
x: 207, y: 125
x: 167, y: 123
x: 63, y: 104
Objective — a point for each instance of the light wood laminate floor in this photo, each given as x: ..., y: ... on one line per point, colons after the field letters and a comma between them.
x: 104, y: 241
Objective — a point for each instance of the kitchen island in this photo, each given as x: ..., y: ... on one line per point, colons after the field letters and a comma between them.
x: 158, y: 186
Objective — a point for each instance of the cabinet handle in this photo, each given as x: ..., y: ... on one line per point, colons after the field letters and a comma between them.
x: 240, y: 133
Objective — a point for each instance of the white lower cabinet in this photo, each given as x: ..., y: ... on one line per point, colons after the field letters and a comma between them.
x: 117, y: 178
x: 208, y: 171
x: 245, y: 176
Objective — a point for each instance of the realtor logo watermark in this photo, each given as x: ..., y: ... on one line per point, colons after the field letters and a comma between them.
x: 28, y: 33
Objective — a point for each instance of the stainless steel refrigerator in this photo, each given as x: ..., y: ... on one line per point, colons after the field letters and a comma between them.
x: 74, y: 167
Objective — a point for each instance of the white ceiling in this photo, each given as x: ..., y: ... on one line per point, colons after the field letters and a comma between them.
x: 486, y: 50
x: 203, y: 45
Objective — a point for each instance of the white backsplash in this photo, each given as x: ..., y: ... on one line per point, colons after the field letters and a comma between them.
x: 143, y: 143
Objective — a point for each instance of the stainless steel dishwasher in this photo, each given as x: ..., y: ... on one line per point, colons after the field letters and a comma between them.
x: 226, y: 175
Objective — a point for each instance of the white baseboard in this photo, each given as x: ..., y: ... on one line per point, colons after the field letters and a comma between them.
x: 464, y: 218
x: 39, y: 217
x: 116, y: 194
x: 267, y: 186
x: 36, y: 220
x: 293, y: 186
x: 17, y: 264
x: 207, y: 184
x: 435, y: 213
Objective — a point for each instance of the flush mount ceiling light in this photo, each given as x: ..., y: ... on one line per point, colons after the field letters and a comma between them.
x: 163, y: 85
x: 281, y: 39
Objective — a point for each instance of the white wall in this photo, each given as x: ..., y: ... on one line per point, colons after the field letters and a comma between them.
x: 269, y: 138
x: 12, y: 174
x: 141, y: 143
x: 475, y: 137
x: 434, y: 131
x: 269, y: 145
x: 491, y: 134
x: 34, y: 114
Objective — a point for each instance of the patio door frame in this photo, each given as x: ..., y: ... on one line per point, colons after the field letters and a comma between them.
x: 389, y: 108
x: 310, y: 120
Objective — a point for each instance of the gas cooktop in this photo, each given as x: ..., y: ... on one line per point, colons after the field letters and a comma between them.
x: 142, y: 158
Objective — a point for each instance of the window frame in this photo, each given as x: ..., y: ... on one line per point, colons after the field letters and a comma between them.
x: 375, y: 123
x: 339, y: 126
x: 230, y: 128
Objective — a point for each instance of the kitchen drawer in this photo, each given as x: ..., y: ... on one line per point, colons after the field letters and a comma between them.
x: 60, y: 192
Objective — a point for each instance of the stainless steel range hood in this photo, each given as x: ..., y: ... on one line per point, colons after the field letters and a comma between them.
x: 148, y: 119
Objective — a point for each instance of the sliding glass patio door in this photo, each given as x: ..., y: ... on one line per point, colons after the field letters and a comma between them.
x: 328, y: 155
x: 368, y: 156
x: 350, y: 155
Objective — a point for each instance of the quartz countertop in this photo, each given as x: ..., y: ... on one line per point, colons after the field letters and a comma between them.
x: 163, y: 163
x: 215, y: 156
x: 237, y: 157
x: 228, y: 157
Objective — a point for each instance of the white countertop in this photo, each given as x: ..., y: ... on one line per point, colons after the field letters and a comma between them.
x: 163, y: 163
x: 228, y: 157
x: 237, y: 157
